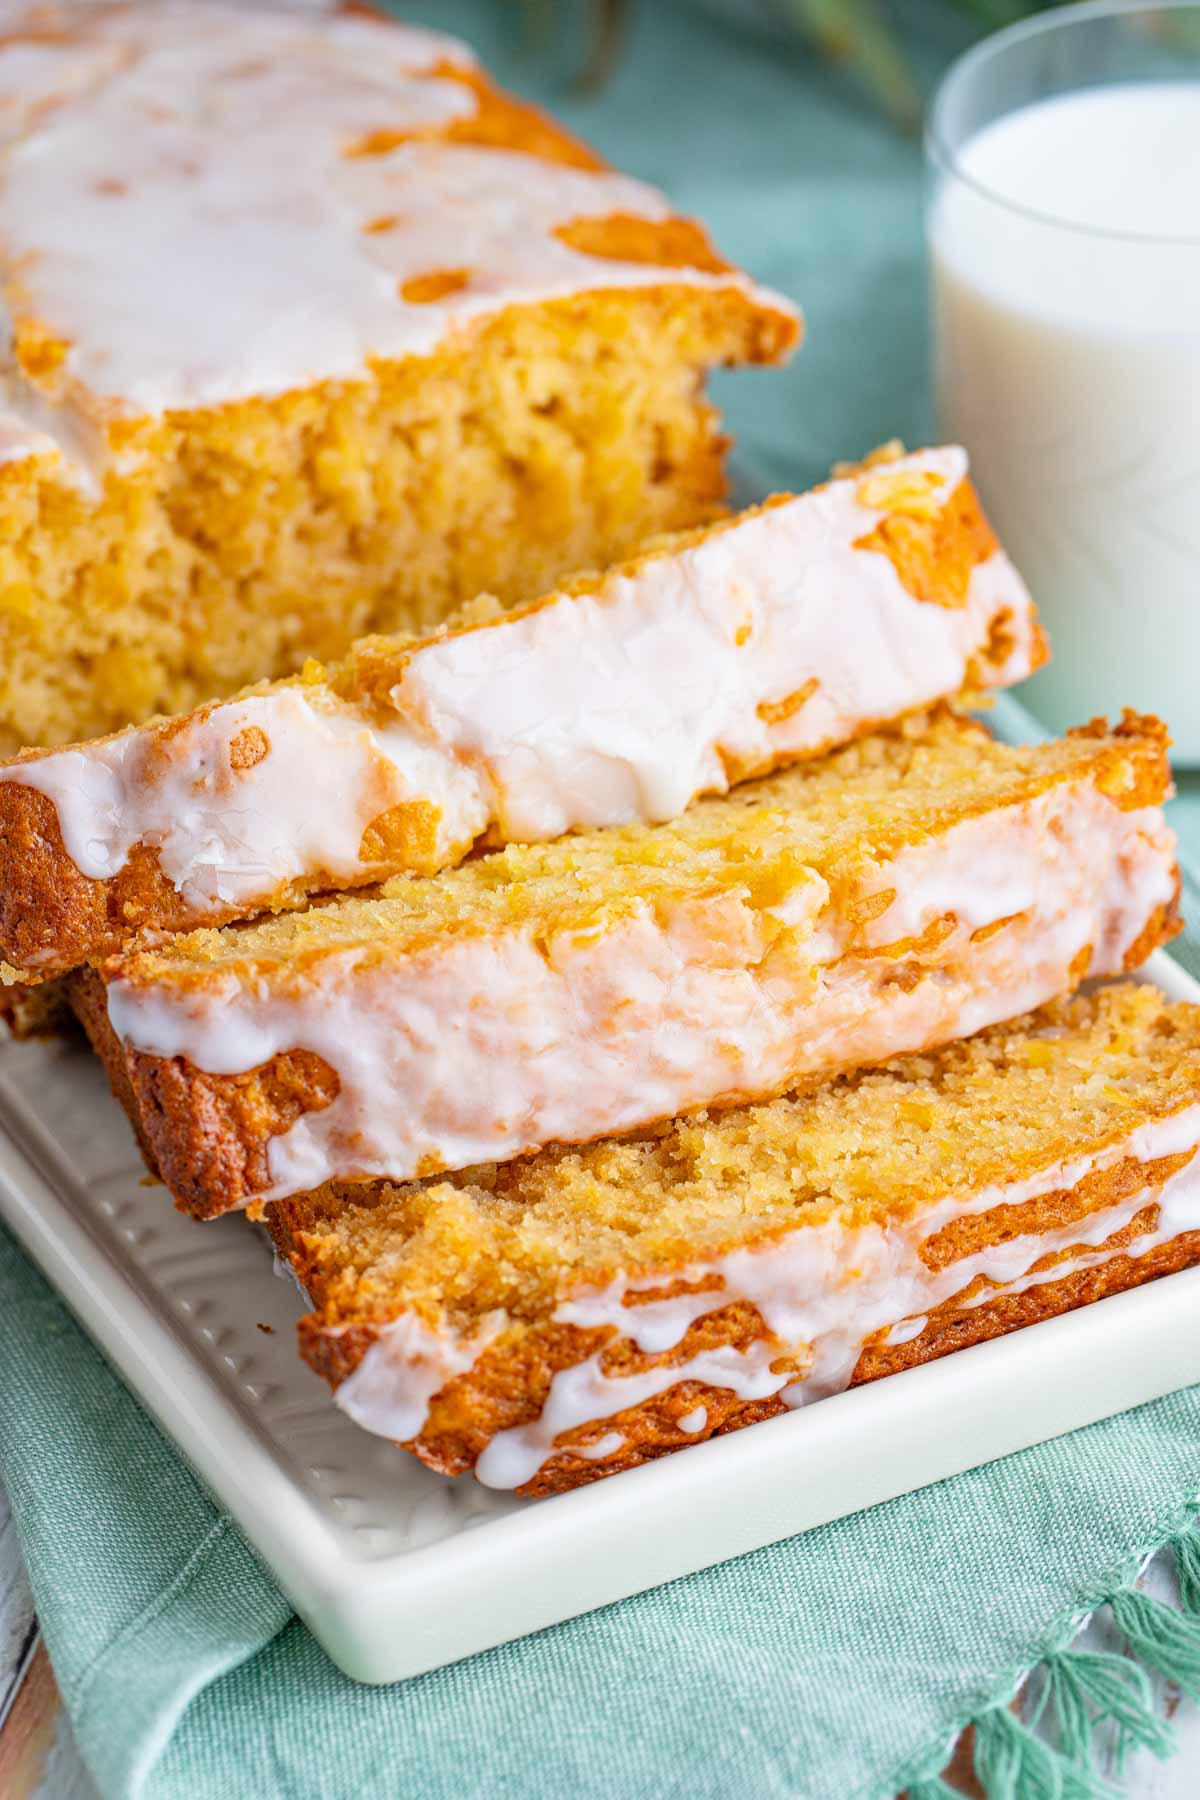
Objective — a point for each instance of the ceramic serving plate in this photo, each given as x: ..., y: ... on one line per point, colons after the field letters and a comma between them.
x: 397, y: 1570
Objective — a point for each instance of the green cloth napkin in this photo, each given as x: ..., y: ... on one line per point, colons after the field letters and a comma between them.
x: 841, y: 1663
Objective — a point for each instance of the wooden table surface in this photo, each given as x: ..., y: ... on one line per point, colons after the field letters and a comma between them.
x: 39, y: 1761
x: 38, y: 1758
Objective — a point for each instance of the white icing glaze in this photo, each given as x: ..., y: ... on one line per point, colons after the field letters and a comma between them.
x: 568, y: 710
x: 183, y: 212
x: 477, y: 1047
x: 231, y: 836
x: 905, y: 1330
x: 823, y: 1292
x: 395, y: 1386
x: 695, y: 1420
x: 608, y: 1445
x: 554, y: 720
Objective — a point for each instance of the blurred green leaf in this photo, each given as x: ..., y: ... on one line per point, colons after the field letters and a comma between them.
x: 859, y: 35
x: 855, y: 32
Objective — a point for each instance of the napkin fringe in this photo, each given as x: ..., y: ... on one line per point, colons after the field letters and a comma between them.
x: 1053, y: 1755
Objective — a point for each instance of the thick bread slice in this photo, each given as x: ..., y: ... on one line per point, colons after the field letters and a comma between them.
x: 910, y: 889
x: 554, y: 1320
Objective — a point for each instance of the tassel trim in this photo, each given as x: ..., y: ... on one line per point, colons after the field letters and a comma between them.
x: 1052, y: 1754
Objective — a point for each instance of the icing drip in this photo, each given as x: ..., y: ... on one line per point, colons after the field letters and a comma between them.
x: 815, y: 1311
x: 482, y: 1046
x: 554, y: 720
x: 389, y: 1393
x: 585, y: 1392
x: 608, y: 1445
x: 189, y: 215
x: 904, y: 1330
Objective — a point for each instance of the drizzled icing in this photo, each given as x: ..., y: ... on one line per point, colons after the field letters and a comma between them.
x: 479, y: 1046
x: 187, y: 213
x: 555, y: 719
x: 823, y: 1291
x: 412, y: 1366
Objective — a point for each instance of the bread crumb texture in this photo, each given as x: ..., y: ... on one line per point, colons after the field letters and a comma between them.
x: 255, y: 534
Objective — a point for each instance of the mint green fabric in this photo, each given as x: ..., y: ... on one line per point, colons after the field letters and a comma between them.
x: 834, y: 1665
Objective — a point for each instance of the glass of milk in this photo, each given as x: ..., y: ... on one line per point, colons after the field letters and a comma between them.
x: 1064, y: 231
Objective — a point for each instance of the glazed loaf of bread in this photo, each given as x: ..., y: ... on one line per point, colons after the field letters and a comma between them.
x: 909, y: 889
x: 312, y: 331
x: 620, y: 696
x: 660, y: 1075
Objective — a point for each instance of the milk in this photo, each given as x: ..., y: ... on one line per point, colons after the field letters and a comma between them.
x: 1068, y: 362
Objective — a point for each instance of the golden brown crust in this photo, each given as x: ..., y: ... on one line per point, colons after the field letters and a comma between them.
x: 1100, y: 1188
x: 656, y: 1425
x: 205, y: 1136
x: 627, y: 237
x: 50, y: 912
x: 84, y: 993
x: 500, y: 121
x: 1164, y: 923
x: 210, y: 1135
x: 934, y: 556
x: 984, y: 667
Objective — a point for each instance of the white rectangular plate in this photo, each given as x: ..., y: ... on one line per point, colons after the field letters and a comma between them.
x: 397, y: 1570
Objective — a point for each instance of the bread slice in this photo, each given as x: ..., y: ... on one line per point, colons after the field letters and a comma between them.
x: 909, y: 889
x: 314, y: 332
x: 617, y: 697
x: 550, y: 1321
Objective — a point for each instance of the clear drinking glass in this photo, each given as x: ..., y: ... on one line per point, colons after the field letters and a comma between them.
x: 1064, y: 241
